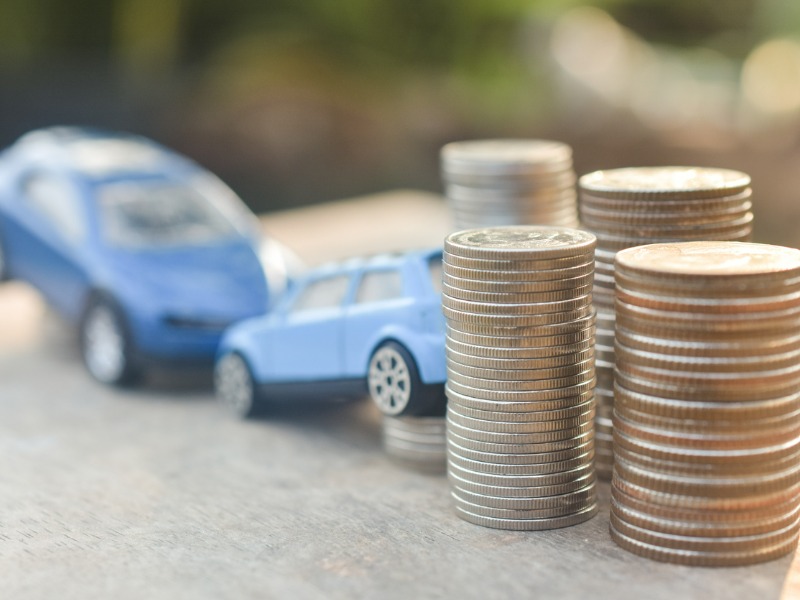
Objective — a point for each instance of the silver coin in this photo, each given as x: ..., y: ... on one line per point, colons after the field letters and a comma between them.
x: 524, y: 243
x: 520, y: 417
x: 519, y: 469
x: 517, y: 427
x: 516, y: 401
x: 528, y: 524
x: 526, y: 458
x: 510, y: 513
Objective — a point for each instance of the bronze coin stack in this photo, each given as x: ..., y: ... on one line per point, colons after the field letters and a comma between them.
x: 416, y: 442
x: 636, y: 206
x: 707, y: 402
x: 520, y: 364
x: 509, y: 182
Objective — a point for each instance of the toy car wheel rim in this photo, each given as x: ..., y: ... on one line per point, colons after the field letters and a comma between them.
x: 389, y: 381
x: 234, y: 384
x: 104, y: 345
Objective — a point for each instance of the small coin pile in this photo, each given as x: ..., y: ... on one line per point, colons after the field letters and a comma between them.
x: 520, y: 364
x: 509, y: 182
x: 707, y: 402
x: 416, y: 442
x: 636, y: 206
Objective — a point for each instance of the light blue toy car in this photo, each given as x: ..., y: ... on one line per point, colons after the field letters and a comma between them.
x: 368, y: 325
x: 148, y: 253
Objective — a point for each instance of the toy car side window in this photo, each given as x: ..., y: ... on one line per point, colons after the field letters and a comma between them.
x: 379, y: 286
x: 57, y: 200
x: 327, y: 292
x: 435, y: 270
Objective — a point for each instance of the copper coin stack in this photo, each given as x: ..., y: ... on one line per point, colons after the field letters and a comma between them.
x: 636, y: 206
x: 520, y: 364
x: 416, y: 442
x: 509, y: 182
x: 706, y: 427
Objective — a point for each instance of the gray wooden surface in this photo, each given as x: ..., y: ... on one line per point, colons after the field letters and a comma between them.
x: 156, y: 493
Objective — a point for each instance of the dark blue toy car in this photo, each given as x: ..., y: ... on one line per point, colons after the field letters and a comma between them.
x: 371, y: 325
x: 151, y: 255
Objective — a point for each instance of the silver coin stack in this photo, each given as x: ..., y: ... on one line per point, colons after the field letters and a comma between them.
x: 706, y: 428
x: 416, y: 442
x: 520, y: 364
x: 509, y: 182
x: 636, y: 206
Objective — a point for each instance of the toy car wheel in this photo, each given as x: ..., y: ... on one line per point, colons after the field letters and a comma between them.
x: 105, y: 344
x: 234, y: 386
x: 394, y: 383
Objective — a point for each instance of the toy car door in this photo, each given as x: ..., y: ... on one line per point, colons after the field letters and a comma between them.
x: 308, y: 345
x: 46, y: 231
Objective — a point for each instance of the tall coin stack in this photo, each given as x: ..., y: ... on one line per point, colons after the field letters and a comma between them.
x: 416, y: 442
x: 706, y: 427
x: 520, y: 364
x: 509, y: 182
x: 636, y: 206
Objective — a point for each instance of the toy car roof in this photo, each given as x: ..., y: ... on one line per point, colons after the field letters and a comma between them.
x: 387, y: 260
x: 96, y: 153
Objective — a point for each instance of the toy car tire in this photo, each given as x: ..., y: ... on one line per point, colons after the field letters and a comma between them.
x: 395, y: 386
x: 234, y: 386
x: 106, y: 344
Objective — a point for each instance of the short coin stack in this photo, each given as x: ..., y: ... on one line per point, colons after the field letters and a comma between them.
x: 520, y: 363
x: 706, y: 427
x: 509, y: 182
x: 636, y: 206
x: 416, y: 442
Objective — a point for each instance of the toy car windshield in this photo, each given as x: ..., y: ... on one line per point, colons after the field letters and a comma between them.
x: 140, y: 214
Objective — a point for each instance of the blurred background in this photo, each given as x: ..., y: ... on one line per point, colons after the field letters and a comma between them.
x: 295, y: 103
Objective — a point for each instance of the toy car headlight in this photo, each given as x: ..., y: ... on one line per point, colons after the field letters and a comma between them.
x: 280, y: 266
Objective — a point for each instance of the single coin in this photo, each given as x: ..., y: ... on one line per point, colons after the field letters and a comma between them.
x: 543, y: 342
x: 519, y: 274
x: 516, y: 427
x: 746, y: 346
x: 516, y: 480
x: 668, y: 230
x: 743, y: 411
x: 505, y: 155
x: 668, y: 182
x: 698, y: 529
x: 517, y: 320
x: 710, y: 392
x: 622, y: 242
x: 517, y: 297
x: 706, y: 376
x: 556, y: 353
x: 690, y: 516
x: 532, y: 385
x: 519, y: 469
x: 526, y: 308
x: 591, y: 213
x: 530, y: 459
x: 510, y: 513
x: 528, y: 524
x: 525, y: 243
x: 705, y: 487
x: 569, y: 432
x: 712, y: 260
x: 715, y: 288
x: 521, y: 417
x: 524, y: 287
x: 521, y: 375
x: 519, y: 401
x: 702, y: 559
x: 520, y: 492
x: 454, y: 435
x: 662, y: 301
x: 704, y: 544
x: 712, y: 456
x: 543, y: 332
x: 574, y: 500
x: 663, y: 204
x: 711, y: 439
x: 520, y: 265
